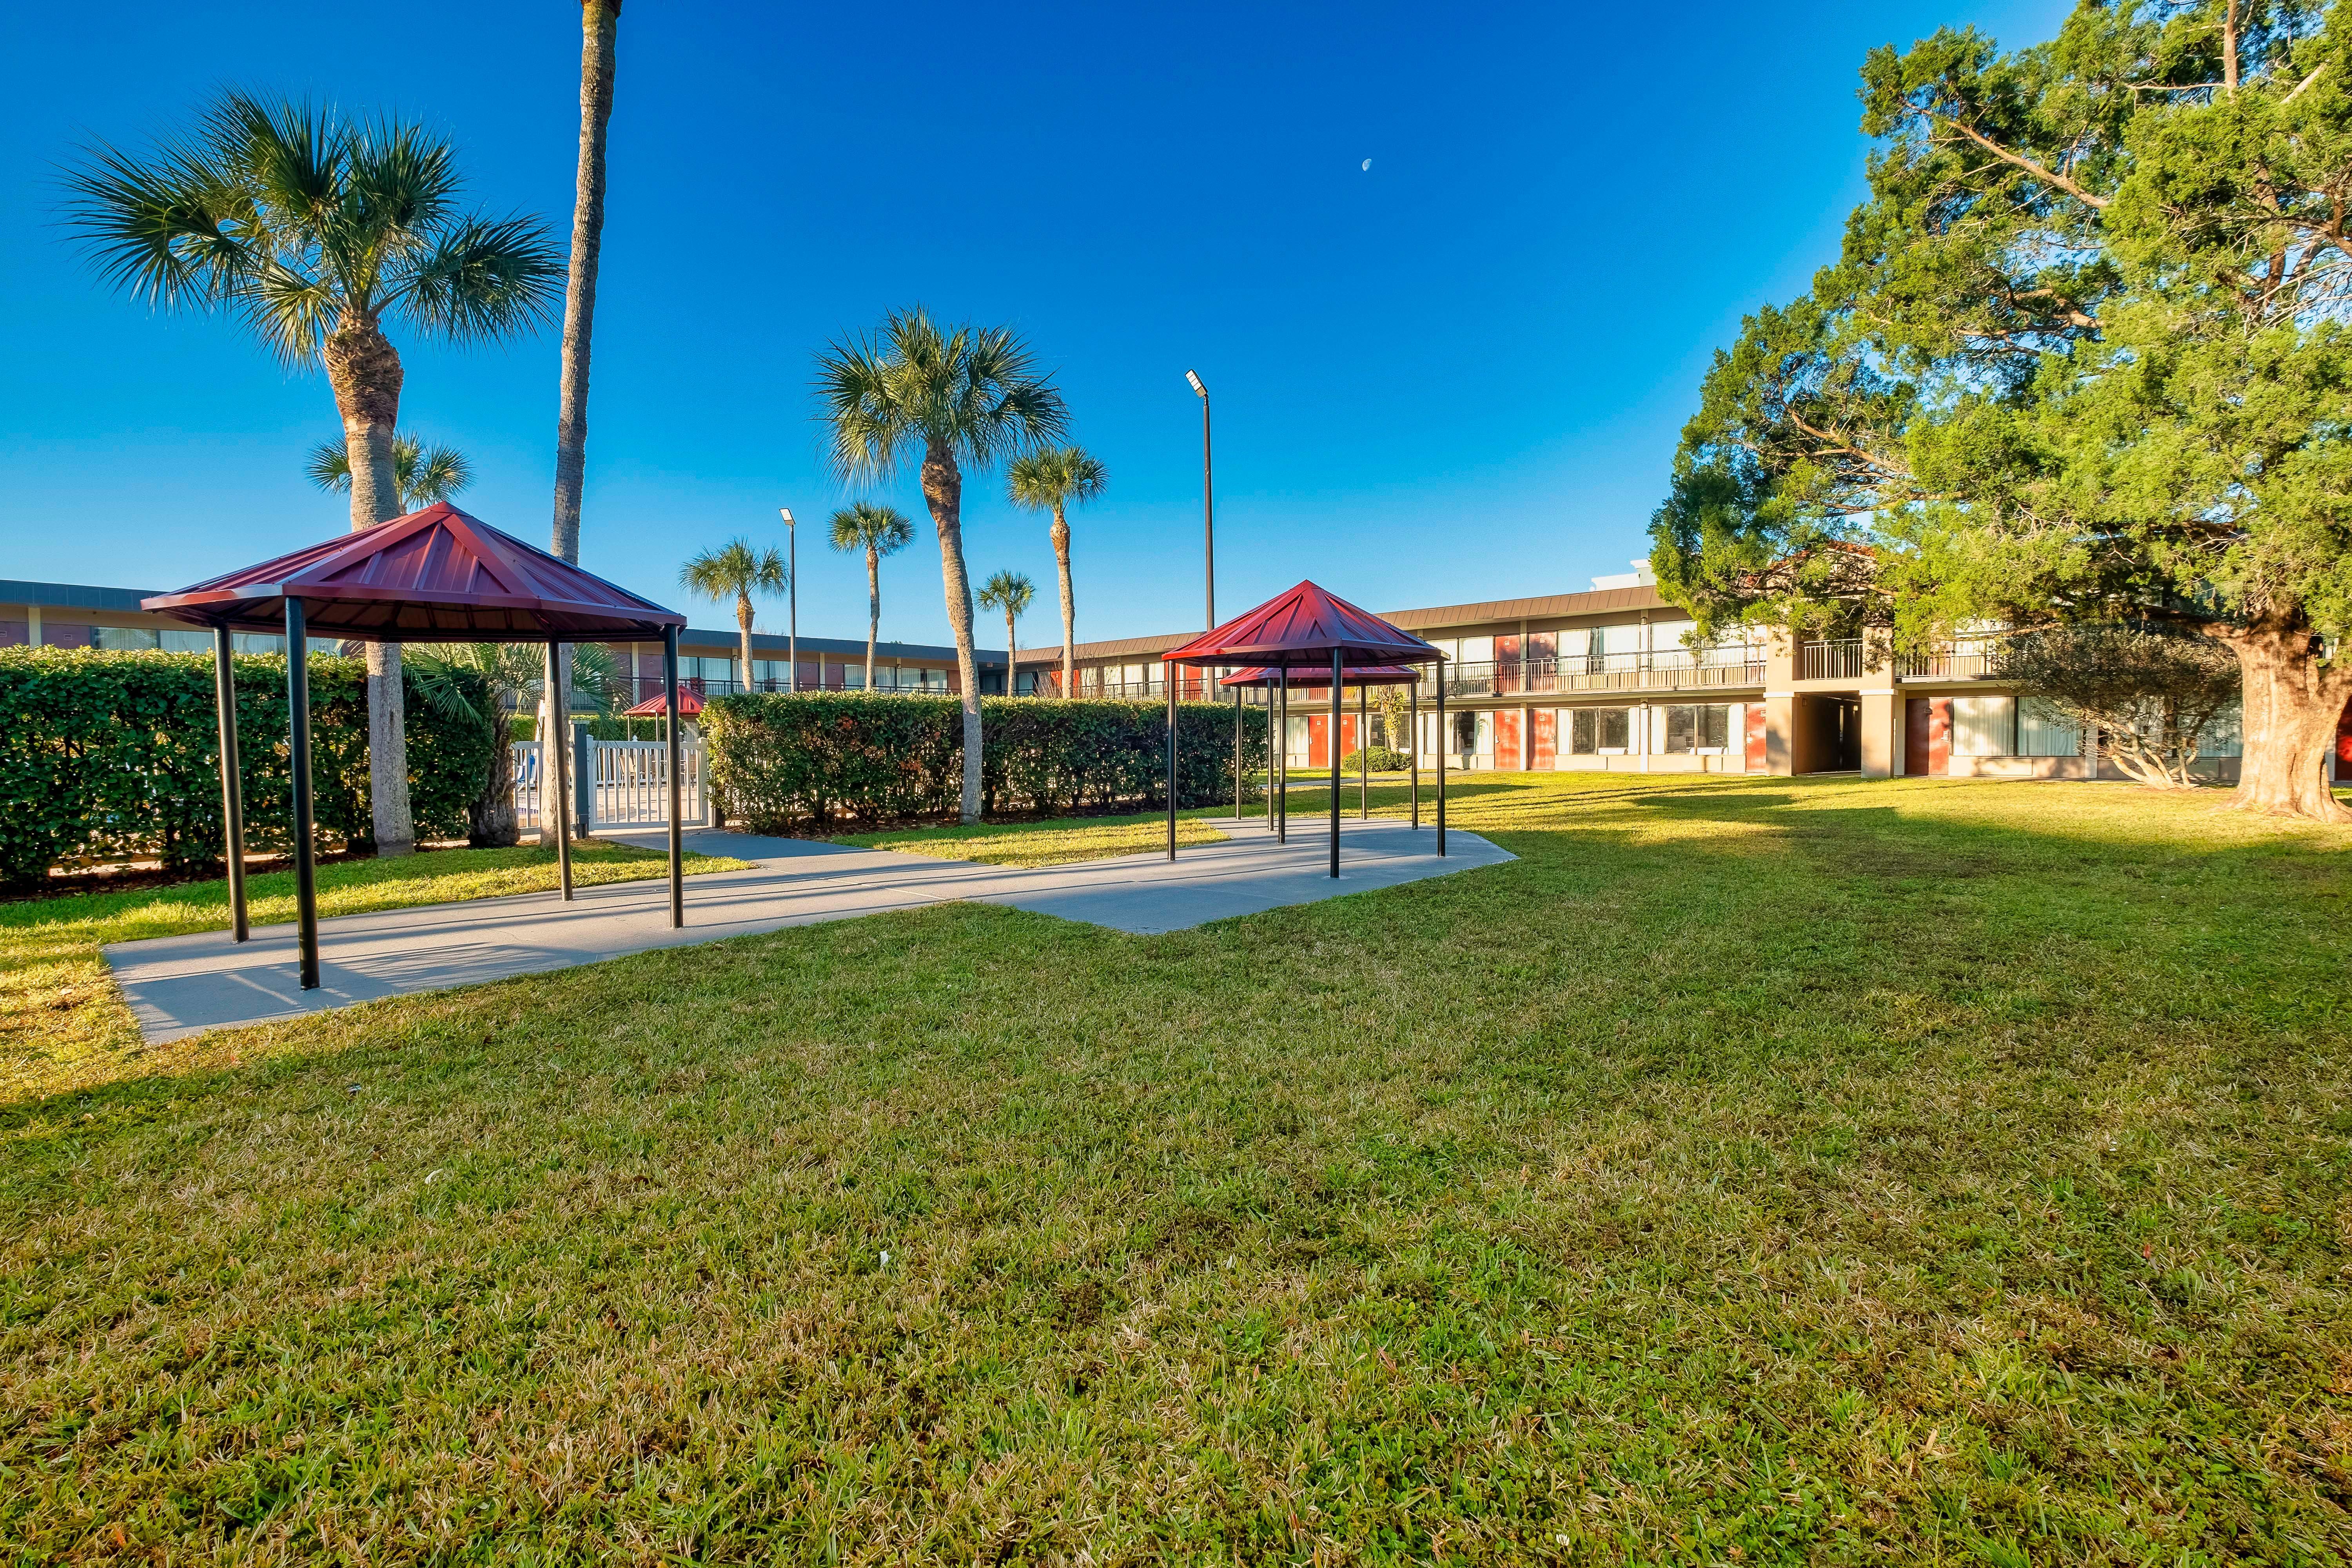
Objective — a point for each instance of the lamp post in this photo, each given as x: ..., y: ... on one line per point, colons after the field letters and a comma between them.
x: 792, y: 598
x: 1208, y: 498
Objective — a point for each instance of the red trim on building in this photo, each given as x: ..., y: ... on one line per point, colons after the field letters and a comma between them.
x: 1547, y: 737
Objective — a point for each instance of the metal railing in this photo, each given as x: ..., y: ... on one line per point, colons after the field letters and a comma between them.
x: 1974, y: 661
x: 628, y: 691
x: 1679, y: 670
x: 1840, y: 661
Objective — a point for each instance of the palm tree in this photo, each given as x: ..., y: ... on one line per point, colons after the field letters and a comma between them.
x: 967, y: 396
x: 421, y: 474
x: 317, y: 230
x: 879, y: 530
x: 737, y: 571
x: 599, y: 24
x: 1049, y: 481
x: 515, y: 673
x: 1010, y: 591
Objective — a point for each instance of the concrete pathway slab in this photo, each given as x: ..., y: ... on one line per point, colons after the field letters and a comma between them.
x: 181, y: 985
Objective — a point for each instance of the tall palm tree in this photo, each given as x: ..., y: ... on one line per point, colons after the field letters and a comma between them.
x: 737, y: 571
x: 515, y: 674
x: 1010, y: 591
x: 964, y: 396
x: 318, y: 229
x: 421, y: 474
x: 600, y: 25
x: 1051, y: 480
x: 879, y: 530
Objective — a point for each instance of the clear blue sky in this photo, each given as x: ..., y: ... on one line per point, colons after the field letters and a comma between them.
x: 1457, y: 374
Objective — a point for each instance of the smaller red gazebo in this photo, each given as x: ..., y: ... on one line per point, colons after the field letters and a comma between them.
x: 435, y: 575
x: 1362, y: 678
x: 689, y: 705
x: 1304, y: 628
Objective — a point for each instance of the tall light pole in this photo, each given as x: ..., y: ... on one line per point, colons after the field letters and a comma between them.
x: 1208, y: 498
x: 792, y: 597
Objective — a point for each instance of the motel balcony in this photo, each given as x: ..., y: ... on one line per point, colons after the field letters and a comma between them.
x: 1675, y: 670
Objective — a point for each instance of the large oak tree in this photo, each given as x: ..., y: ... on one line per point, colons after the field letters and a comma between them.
x: 2083, y: 359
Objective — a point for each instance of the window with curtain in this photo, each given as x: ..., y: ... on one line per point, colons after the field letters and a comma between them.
x: 2043, y: 732
x: 1984, y: 726
x: 1599, y: 729
x: 1698, y: 727
x: 123, y: 639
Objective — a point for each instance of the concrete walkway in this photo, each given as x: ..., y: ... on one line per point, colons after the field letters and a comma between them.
x: 181, y: 985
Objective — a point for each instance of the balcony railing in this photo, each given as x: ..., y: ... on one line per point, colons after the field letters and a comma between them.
x: 1975, y: 660
x: 1670, y: 671
x: 1840, y: 660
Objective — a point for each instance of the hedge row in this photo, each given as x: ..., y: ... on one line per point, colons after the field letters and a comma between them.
x: 116, y: 756
x: 782, y: 761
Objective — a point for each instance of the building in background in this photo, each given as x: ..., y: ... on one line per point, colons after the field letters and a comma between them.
x: 69, y: 614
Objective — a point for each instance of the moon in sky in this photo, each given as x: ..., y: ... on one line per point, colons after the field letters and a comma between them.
x: 1367, y: 164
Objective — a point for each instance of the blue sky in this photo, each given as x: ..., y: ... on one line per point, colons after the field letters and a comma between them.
x: 1456, y: 375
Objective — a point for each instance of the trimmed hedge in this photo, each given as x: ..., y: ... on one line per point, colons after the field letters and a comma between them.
x: 116, y: 756
x: 781, y: 761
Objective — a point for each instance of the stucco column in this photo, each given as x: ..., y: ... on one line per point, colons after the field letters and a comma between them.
x: 1781, y: 705
x: 1882, y: 731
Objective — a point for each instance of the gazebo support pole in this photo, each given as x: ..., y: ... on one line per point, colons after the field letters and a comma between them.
x: 1171, y: 759
x: 559, y: 747
x: 677, y: 833
x: 1442, y: 740
x: 1279, y: 765
x: 232, y: 781
x: 1338, y: 704
x: 297, y: 735
x: 1412, y: 749
x: 1363, y: 755
x: 1238, y: 756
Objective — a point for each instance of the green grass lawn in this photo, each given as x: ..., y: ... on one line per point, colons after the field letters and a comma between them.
x: 1754, y: 1171
x: 63, y: 1024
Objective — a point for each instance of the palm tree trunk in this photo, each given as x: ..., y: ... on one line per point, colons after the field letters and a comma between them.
x: 599, y: 26
x: 944, y: 493
x: 1069, y: 606
x: 1012, y: 671
x: 363, y: 368
x: 873, y: 609
x: 744, y: 624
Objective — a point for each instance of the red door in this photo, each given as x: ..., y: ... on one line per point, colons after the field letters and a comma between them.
x: 1916, y: 754
x: 1347, y: 733
x: 1507, y: 739
x: 1757, y: 759
x: 1507, y: 667
x: 2344, y: 745
x: 1546, y: 737
x: 1319, y: 740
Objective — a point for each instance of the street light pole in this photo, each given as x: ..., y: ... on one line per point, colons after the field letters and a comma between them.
x: 793, y: 598
x: 1208, y: 498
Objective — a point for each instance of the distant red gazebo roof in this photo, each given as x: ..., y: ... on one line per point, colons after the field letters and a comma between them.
x: 689, y: 703
x: 435, y: 575
x: 1304, y: 620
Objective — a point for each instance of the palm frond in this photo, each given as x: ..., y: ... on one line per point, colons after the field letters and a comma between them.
x: 1055, y: 476
x: 974, y: 391
x: 1008, y: 591
x: 329, y: 467
x: 433, y: 473
x: 867, y: 428
x: 482, y: 279
x: 735, y: 570
x: 174, y: 231
x: 863, y: 525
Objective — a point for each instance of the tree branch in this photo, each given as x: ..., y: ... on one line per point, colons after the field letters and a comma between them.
x: 2306, y: 81
x: 2020, y: 161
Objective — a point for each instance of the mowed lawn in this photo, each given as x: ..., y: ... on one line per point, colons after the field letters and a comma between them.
x: 1754, y: 1171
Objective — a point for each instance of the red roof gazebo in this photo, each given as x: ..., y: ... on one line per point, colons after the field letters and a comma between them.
x: 435, y: 575
x: 1362, y: 678
x: 1305, y: 627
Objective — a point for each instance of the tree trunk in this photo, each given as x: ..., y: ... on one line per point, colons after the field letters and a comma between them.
x: 743, y: 625
x: 2293, y: 702
x: 1012, y: 671
x: 944, y: 493
x: 873, y: 609
x: 1069, y: 604
x: 492, y: 817
x: 363, y: 368
x: 599, y: 25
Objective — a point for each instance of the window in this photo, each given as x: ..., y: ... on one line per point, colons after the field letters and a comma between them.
x: 1599, y: 729
x: 853, y: 678
x: 1617, y: 639
x: 2042, y: 732
x: 122, y: 640
x: 1983, y: 726
x: 1698, y: 727
x: 771, y: 674
x: 2226, y: 735
x: 257, y: 642
x: 1477, y: 650
x: 707, y: 669
x: 1575, y: 641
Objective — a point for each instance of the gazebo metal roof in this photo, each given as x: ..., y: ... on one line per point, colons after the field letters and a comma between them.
x: 1302, y: 620
x: 689, y: 703
x: 435, y: 575
x: 1321, y: 675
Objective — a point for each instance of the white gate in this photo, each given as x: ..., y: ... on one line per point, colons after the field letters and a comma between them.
x: 631, y: 780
